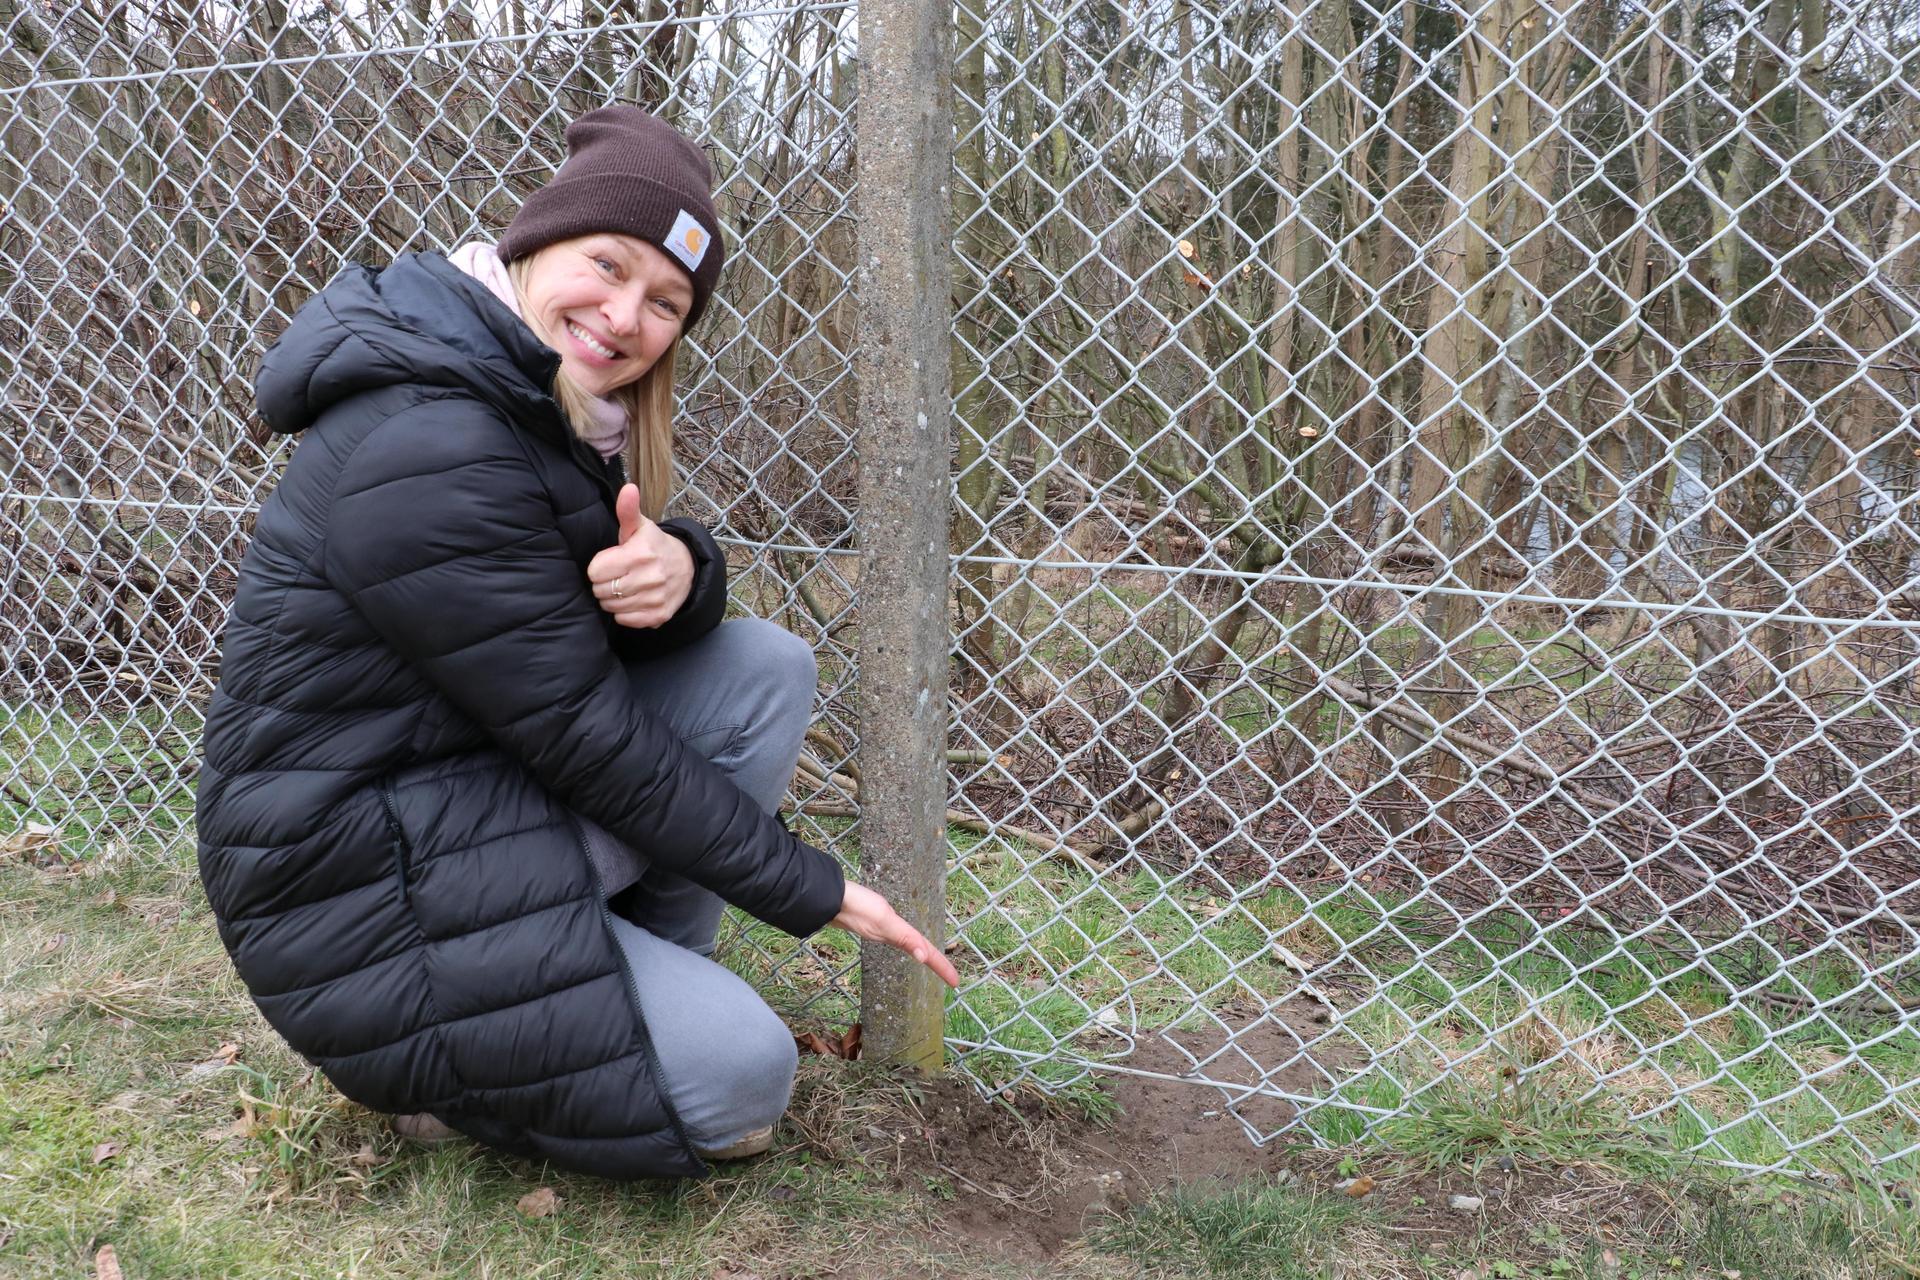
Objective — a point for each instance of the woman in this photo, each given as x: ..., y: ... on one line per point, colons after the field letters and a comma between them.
x: 484, y: 764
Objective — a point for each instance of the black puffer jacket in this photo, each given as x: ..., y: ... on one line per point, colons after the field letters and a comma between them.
x: 418, y: 698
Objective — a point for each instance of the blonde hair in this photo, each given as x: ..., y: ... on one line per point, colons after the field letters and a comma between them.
x: 648, y: 400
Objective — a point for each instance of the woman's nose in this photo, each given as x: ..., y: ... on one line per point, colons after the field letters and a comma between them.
x: 623, y: 313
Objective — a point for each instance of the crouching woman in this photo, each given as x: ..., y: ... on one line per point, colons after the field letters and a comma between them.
x: 484, y: 764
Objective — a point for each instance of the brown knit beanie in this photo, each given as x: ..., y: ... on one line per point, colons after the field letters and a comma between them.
x: 629, y: 172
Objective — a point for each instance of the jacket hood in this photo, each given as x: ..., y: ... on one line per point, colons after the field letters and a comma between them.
x: 421, y: 321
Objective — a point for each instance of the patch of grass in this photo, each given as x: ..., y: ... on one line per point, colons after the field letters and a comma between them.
x: 1700, y: 1227
x: 121, y: 1122
x: 1561, y: 1222
x: 1706, y: 1042
x: 1523, y: 1125
x: 1685, y: 1042
x: 1800, y: 1237
x: 1255, y: 1230
x: 93, y: 770
x: 118, y: 1116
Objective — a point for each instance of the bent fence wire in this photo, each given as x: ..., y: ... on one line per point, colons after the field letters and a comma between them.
x: 1436, y: 573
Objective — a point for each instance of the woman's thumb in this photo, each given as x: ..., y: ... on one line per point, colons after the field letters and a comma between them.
x: 627, y: 508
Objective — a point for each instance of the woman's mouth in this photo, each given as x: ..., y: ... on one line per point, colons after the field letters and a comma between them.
x: 591, y: 345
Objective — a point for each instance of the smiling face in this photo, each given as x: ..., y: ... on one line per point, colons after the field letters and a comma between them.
x: 610, y: 304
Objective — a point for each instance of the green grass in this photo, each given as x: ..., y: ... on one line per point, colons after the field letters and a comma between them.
x: 1652, y: 1023
x: 1653, y: 1026
x: 1583, y: 1227
x: 1523, y: 1124
x: 1658, y: 1027
x: 1253, y: 1231
x: 97, y: 772
x: 116, y: 1001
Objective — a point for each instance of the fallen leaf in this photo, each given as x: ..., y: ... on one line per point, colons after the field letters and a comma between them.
x: 222, y: 1059
x: 162, y: 917
x: 105, y: 1152
x: 106, y: 1264
x: 31, y: 838
x: 107, y: 899
x: 1360, y: 1186
x: 241, y: 1128
x: 364, y: 1158
x: 53, y: 944
x: 845, y: 1045
x: 540, y: 1203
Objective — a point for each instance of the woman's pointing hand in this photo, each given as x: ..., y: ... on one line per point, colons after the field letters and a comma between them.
x: 866, y: 914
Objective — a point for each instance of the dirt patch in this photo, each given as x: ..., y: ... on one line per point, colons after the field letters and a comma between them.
x: 1013, y: 1186
x: 1027, y: 1179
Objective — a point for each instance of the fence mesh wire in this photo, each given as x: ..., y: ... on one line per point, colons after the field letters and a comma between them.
x: 1436, y: 594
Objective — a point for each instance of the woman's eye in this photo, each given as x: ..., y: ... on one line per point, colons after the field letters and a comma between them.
x: 604, y: 263
x: 672, y: 307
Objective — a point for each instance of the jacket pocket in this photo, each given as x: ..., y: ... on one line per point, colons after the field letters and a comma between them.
x: 402, y: 851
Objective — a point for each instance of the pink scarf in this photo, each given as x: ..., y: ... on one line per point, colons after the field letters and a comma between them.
x: 477, y: 258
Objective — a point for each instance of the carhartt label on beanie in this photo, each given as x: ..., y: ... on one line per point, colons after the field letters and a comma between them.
x: 687, y: 241
x: 628, y: 172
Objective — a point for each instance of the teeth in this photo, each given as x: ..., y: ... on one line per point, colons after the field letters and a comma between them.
x: 593, y: 344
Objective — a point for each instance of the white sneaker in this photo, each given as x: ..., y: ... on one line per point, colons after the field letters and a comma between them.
x: 751, y: 1145
x: 423, y: 1128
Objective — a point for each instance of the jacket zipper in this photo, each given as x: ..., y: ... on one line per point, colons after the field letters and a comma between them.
x: 401, y: 850
x: 633, y: 999
x: 594, y: 465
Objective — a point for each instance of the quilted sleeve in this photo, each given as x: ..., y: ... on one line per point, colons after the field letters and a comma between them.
x: 441, y: 535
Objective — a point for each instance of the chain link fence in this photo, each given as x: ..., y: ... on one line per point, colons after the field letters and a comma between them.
x: 1436, y: 573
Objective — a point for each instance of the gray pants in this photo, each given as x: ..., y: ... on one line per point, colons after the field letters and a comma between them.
x: 742, y: 696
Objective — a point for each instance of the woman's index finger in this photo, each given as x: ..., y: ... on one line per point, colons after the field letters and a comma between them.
x: 932, y: 957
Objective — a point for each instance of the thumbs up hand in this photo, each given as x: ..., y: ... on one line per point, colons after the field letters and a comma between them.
x: 644, y: 578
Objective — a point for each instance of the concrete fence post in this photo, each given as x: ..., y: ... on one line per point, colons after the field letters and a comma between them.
x: 905, y: 143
